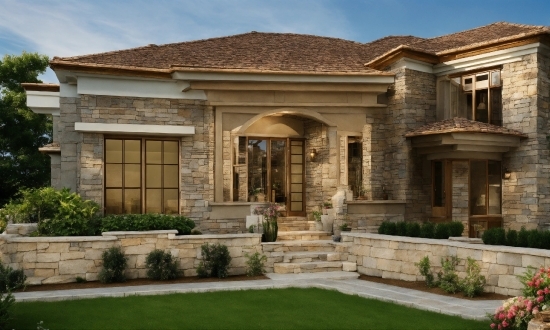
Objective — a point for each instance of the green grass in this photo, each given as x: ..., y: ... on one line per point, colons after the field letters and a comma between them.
x: 261, y: 309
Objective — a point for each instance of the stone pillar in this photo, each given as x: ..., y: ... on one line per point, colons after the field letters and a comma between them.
x: 460, y: 195
x: 69, y: 141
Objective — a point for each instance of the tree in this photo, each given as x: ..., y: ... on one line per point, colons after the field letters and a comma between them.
x: 22, y: 132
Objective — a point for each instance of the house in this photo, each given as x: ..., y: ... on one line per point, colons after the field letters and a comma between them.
x: 451, y: 127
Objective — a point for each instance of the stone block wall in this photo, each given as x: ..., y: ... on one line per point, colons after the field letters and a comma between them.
x: 460, y: 193
x: 61, y: 259
x: 394, y: 257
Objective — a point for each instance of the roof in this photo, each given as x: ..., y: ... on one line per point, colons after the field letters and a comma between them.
x: 42, y: 87
x: 294, y: 53
x: 464, y: 125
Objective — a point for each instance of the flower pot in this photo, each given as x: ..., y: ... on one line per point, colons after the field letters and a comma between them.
x: 325, y: 211
x: 327, y: 222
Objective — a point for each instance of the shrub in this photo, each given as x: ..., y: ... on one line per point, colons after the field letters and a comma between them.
x: 472, y: 285
x: 255, y: 264
x: 456, y: 228
x: 383, y: 228
x: 11, y: 279
x: 162, y: 266
x: 114, y: 265
x: 215, y: 261
x: 390, y: 228
x: 523, y: 236
x: 494, y: 236
x: 6, y: 302
x: 401, y: 228
x: 545, y: 239
x: 413, y: 229
x: 441, y: 231
x: 534, y: 239
x: 427, y: 230
x: 512, y: 238
x: 488, y: 237
x: 425, y: 270
x: 142, y: 222
x: 447, y: 277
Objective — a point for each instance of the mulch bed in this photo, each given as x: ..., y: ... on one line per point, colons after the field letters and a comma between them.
x: 135, y: 282
x: 421, y: 286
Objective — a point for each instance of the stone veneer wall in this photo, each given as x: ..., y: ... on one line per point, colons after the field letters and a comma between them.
x: 82, y: 154
x: 460, y: 193
x: 394, y: 257
x: 525, y: 100
x: 406, y: 174
x: 61, y: 259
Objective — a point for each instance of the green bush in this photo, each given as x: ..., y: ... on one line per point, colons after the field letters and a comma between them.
x: 143, y: 222
x: 427, y: 230
x: 389, y: 228
x: 114, y: 265
x: 401, y: 228
x: 456, y: 228
x: 255, y: 264
x: 58, y: 212
x: 545, y: 240
x: 447, y: 277
x: 162, y: 266
x: 6, y: 303
x: 488, y: 237
x: 425, y: 270
x: 523, y: 237
x: 512, y: 238
x: 215, y: 261
x: 494, y: 236
x: 11, y: 279
x: 441, y: 231
x: 472, y: 285
x: 534, y: 239
x: 413, y: 229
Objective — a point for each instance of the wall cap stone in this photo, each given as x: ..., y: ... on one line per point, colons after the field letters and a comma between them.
x: 215, y: 236
x: 58, y: 239
x: 128, y: 233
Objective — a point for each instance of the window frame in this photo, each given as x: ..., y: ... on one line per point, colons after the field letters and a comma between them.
x: 143, y: 163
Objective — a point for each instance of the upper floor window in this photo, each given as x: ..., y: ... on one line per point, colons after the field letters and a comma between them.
x: 475, y: 96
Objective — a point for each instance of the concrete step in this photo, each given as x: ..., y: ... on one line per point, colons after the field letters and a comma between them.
x: 303, y: 235
x: 313, y: 267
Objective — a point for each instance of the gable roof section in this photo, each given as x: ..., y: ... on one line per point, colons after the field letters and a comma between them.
x: 456, y: 124
x: 253, y: 52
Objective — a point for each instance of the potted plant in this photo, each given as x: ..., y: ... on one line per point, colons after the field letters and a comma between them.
x: 317, y: 218
x: 326, y: 206
x: 253, y: 195
x: 270, y: 228
x: 345, y: 227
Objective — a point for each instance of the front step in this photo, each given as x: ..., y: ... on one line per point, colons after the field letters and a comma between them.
x: 294, y: 246
x: 306, y: 235
x: 314, y: 267
x: 308, y: 256
x: 295, y: 224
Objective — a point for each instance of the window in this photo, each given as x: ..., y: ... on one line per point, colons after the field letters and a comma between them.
x: 355, y: 165
x: 485, y: 187
x: 141, y: 176
x: 475, y: 96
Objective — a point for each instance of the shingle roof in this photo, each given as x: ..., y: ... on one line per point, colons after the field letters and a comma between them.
x: 285, y: 52
x: 461, y: 125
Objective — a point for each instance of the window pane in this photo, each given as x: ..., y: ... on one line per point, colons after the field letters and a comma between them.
x: 296, y: 178
x: 171, y: 176
x: 153, y: 152
x: 171, y: 201
x: 482, y: 109
x: 257, y: 167
x: 495, y: 182
x: 296, y: 206
x: 171, y: 152
x: 469, y: 101
x: 355, y: 167
x: 132, y: 201
x: 153, y: 176
x: 132, y: 151
x: 113, y: 151
x: 439, y: 184
x: 113, y: 201
x: 296, y: 159
x: 478, y: 187
x: 153, y: 201
x: 113, y: 175
x: 496, y: 106
x: 132, y: 175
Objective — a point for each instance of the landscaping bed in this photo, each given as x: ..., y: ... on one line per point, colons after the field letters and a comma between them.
x: 421, y: 286
x: 135, y: 282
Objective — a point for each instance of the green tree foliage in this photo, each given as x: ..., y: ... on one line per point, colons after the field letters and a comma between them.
x: 22, y: 132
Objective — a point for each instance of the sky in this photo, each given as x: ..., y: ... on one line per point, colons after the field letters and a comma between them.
x: 78, y: 27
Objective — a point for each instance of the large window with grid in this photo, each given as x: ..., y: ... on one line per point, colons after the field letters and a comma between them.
x: 141, y: 176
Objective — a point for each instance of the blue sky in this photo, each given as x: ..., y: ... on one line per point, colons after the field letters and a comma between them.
x: 76, y: 27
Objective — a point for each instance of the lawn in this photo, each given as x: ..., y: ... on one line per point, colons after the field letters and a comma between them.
x: 261, y: 309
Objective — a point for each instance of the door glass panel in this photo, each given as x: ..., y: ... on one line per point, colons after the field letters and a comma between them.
x: 478, y: 187
x: 296, y: 187
x: 132, y: 151
x: 113, y: 201
x: 296, y: 159
x: 153, y: 201
x: 278, y: 171
x: 257, y: 167
x: 170, y: 201
x: 153, y: 176
x: 297, y: 197
x: 296, y: 150
x: 132, y: 175
x: 439, y: 184
x: 171, y: 152
x: 296, y: 178
x: 296, y: 168
x: 495, y: 182
x: 113, y: 151
x: 153, y: 153
x: 171, y: 176
x: 113, y: 175
x: 296, y: 206
x: 132, y: 201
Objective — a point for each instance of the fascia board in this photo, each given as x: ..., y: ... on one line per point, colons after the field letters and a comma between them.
x: 197, y: 76
x: 137, y: 129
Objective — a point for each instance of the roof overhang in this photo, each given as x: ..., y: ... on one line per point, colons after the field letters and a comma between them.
x: 465, y: 145
x: 134, y: 129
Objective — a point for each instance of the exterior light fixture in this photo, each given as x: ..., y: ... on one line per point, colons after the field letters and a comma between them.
x: 506, y: 174
x: 313, y: 155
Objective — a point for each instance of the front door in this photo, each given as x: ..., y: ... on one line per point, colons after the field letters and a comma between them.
x: 441, y: 190
x: 276, y: 172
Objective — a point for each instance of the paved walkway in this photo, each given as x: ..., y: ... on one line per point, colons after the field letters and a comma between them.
x: 344, y: 282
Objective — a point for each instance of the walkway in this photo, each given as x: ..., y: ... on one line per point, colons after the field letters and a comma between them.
x: 344, y: 282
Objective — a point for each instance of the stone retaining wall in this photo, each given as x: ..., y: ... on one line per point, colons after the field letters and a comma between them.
x: 61, y: 259
x: 394, y: 257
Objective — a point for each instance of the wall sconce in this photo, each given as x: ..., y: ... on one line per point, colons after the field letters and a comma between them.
x: 313, y: 155
x: 506, y: 174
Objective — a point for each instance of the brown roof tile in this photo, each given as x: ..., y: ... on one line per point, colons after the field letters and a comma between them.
x: 284, y: 52
x: 462, y: 125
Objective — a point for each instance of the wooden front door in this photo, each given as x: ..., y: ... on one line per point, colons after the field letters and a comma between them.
x: 441, y: 190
